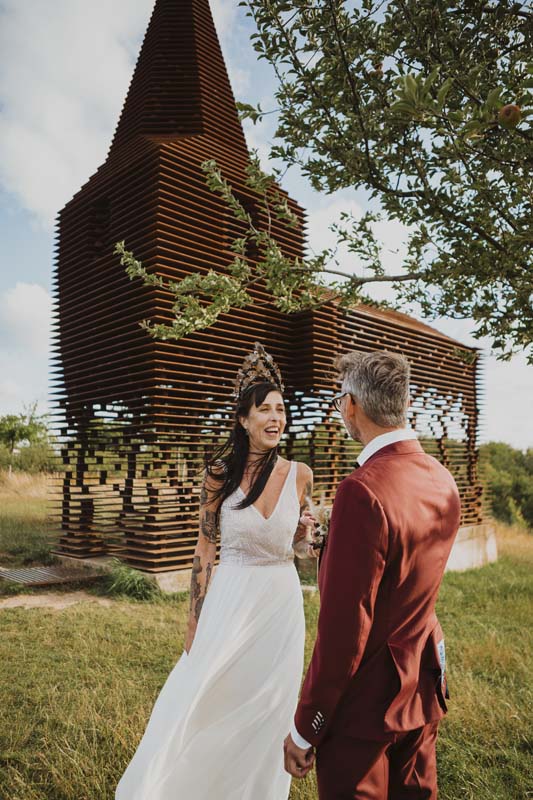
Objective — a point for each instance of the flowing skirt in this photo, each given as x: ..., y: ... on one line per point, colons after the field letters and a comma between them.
x: 218, y: 724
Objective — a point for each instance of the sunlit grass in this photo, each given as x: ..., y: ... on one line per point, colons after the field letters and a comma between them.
x: 25, y: 537
x: 77, y: 685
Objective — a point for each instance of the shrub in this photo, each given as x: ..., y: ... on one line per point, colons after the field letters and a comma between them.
x: 127, y: 582
x: 508, y: 475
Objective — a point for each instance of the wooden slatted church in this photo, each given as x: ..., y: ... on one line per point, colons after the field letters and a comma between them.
x: 133, y: 414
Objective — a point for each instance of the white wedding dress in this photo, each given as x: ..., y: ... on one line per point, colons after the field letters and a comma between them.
x: 217, y: 728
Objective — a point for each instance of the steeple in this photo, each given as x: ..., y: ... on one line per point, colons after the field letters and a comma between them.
x: 180, y: 86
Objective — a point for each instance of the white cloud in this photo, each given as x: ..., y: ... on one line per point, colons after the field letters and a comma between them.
x: 258, y: 139
x: 24, y: 336
x: 63, y: 79
x: 10, y: 394
x: 323, y: 213
x: 64, y: 73
x: 225, y: 14
x: 391, y: 234
x: 506, y: 412
x: 25, y: 317
x: 507, y: 389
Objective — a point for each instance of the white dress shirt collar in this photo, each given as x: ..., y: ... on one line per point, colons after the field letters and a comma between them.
x: 399, y: 435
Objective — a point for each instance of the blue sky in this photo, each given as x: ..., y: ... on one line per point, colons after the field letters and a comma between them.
x: 64, y: 71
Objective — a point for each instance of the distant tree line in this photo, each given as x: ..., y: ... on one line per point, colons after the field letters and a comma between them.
x: 25, y: 441
x: 508, y: 475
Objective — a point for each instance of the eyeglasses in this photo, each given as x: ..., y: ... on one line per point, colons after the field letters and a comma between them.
x: 337, y: 400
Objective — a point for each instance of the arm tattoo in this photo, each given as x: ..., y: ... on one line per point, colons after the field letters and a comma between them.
x: 196, y: 589
x: 209, y: 526
x: 301, y: 530
x: 209, y: 529
x: 200, y: 596
x: 198, y: 607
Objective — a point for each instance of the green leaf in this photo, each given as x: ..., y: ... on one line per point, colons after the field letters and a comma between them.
x: 442, y: 94
x: 493, y: 98
x: 247, y: 111
x: 432, y: 77
x: 403, y: 107
x: 411, y: 86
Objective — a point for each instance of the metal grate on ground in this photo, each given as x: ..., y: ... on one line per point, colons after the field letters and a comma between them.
x: 48, y: 576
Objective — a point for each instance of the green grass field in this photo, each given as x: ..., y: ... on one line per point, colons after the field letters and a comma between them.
x: 77, y: 686
x: 24, y: 537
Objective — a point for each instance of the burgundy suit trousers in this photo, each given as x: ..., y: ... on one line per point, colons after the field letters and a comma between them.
x: 359, y: 769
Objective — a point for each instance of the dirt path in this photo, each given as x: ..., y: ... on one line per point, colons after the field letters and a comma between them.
x: 57, y: 601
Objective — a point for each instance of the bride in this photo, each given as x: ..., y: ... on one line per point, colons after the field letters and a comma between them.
x: 218, y: 725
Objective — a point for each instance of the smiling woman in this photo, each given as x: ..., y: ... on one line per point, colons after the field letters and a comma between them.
x: 233, y: 692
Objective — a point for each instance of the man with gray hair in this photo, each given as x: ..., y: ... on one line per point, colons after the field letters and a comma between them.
x: 376, y: 686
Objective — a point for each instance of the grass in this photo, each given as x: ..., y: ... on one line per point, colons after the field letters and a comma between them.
x: 487, y: 739
x: 24, y: 535
x: 77, y: 685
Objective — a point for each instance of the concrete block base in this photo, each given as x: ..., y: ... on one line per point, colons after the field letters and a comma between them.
x: 178, y: 580
x: 100, y: 563
x: 474, y: 547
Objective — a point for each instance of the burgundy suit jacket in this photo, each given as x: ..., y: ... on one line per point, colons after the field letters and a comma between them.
x: 377, y: 666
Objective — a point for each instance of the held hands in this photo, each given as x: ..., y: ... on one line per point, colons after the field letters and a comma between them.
x: 298, y: 761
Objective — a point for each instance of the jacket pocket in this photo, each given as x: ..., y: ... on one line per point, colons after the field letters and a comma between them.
x: 434, y: 660
x: 405, y: 711
x: 421, y: 670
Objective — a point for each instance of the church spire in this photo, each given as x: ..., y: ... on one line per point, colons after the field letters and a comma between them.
x: 180, y: 86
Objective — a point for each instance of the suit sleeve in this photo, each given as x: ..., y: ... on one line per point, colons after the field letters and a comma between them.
x: 351, y: 572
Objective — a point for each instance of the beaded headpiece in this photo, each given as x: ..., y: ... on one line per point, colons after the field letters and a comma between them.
x: 257, y: 367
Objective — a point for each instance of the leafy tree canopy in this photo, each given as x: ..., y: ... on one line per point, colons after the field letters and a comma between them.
x: 426, y: 104
x: 509, y: 475
x: 26, y: 427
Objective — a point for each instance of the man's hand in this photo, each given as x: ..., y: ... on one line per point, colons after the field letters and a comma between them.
x: 307, y: 520
x: 298, y: 761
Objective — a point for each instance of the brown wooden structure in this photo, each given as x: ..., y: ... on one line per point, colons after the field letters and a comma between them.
x: 134, y: 415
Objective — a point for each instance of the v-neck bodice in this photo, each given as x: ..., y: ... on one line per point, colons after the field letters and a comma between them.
x: 250, y: 539
x: 284, y: 486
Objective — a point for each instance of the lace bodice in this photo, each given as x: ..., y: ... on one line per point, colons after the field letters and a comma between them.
x: 248, y: 539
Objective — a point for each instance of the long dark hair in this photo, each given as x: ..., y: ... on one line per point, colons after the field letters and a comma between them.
x: 226, y: 464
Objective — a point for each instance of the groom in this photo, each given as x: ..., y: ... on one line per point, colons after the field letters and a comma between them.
x: 375, y: 688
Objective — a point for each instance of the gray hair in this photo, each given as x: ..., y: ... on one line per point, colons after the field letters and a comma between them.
x: 379, y: 382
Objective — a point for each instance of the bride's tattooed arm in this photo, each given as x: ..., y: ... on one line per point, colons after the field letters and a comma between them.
x: 204, y: 559
x: 303, y: 536
x: 196, y: 588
